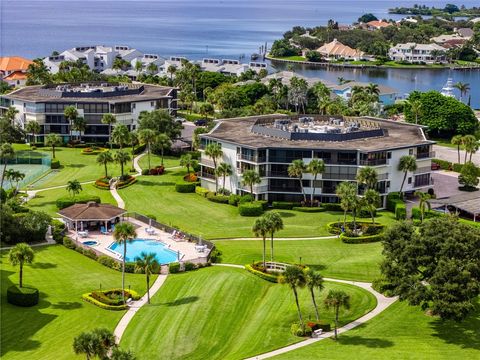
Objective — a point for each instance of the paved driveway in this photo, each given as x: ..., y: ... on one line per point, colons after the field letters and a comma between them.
x: 449, y: 154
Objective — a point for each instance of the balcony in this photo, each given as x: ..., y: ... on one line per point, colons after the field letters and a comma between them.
x: 423, y: 170
x: 207, y: 162
x: 382, y: 176
x: 284, y: 189
x: 374, y: 162
x: 207, y: 176
x: 422, y: 183
x: 425, y: 155
x: 257, y: 189
x: 277, y: 174
x: 251, y: 158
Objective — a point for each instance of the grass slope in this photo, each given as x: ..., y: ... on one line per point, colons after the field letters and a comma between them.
x: 331, y: 256
x: 156, y: 160
x: 46, y: 331
x: 401, y: 332
x: 224, y: 313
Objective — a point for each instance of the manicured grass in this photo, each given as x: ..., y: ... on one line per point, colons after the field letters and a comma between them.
x: 156, y: 160
x: 225, y: 313
x: 444, y: 142
x: 334, y: 258
x: 401, y: 332
x: 45, y: 200
x: 46, y: 331
x: 192, y: 213
x: 293, y: 58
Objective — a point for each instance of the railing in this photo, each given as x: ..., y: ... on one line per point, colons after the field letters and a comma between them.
x: 252, y: 158
x: 284, y: 189
x: 207, y: 162
x: 256, y: 189
x: 274, y: 266
x: 382, y: 176
x: 207, y: 176
x: 374, y: 162
x: 423, y: 170
x: 423, y: 183
x: 327, y: 176
x: 425, y: 155
x: 281, y: 174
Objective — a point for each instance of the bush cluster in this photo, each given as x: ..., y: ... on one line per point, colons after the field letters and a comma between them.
x: 308, y: 209
x: 158, y: 170
x: 332, y: 207
x: 250, y: 209
x: 55, y: 164
x: 201, y: 191
x: 284, y: 205
x: 360, y: 239
x: 175, y: 268
x: 269, y: 277
x: 94, y: 150
x: 130, y: 180
x: 234, y: 199
x: 185, y: 187
x: 23, y: 296
x: 297, y: 330
x: 221, y: 199
x: 383, y: 287
x: 417, y: 214
x: 58, y: 230
x: 67, y: 201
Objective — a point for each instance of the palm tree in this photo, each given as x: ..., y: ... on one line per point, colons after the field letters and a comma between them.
x: 147, y: 136
x: 138, y: 66
x: 346, y: 192
x: 470, y: 144
x: 152, y: 68
x: 296, y: 170
x: 313, y: 280
x: 74, y: 187
x: 6, y: 152
x: 104, y: 158
x: 105, y: 341
x: 372, y: 89
x: 424, y: 203
x: 275, y: 223
x: 133, y: 140
x: 147, y: 264
x: 337, y: 299
x: 457, y: 140
x: 295, y: 278
x: 119, y: 354
x: 367, y: 176
x: 109, y: 119
x: 171, y: 70
x: 33, y: 127
x: 123, y: 233
x: 464, y: 88
x: 251, y: 177
x: 11, y: 113
x: 21, y: 254
x: 70, y: 113
x: 224, y: 169
x: 163, y: 141
x: 86, y: 343
x: 416, y: 108
x: 372, y: 200
x: 407, y: 163
x: 121, y: 157
x: 315, y: 167
x: 260, y: 229
x: 79, y: 124
x: 120, y: 135
x: 188, y: 162
x: 53, y: 140
x: 214, y: 151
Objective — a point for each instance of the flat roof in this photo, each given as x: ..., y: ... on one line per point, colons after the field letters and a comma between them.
x: 395, y: 135
x: 36, y: 93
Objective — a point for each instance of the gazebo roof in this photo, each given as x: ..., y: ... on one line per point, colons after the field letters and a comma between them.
x: 468, y: 202
x: 91, y: 211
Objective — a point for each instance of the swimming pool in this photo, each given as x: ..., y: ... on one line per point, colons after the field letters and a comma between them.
x: 137, y: 246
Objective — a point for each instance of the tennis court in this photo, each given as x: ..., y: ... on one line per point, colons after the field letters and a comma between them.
x: 31, y: 163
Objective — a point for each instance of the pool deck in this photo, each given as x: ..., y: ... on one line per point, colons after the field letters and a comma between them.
x: 187, y: 249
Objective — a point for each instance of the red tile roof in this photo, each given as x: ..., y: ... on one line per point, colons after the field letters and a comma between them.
x: 14, y: 63
x: 16, y: 75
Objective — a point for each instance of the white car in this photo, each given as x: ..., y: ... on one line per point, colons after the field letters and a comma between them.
x: 180, y: 119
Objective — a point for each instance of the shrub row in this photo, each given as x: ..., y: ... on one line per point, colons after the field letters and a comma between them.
x: 332, y: 207
x: 268, y: 277
x: 23, y: 296
x: 284, y: 205
x: 88, y: 297
x: 185, y: 187
x: 368, y: 228
x: 250, y: 209
x: 55, y: 164
x: 297, y: 330
x: 400, y: 211
x: 309, y: 209
x: 175, y: 268
x: 67, y: 201
x: 360, y: 239
x: 417, y: 214
x: 221, y: 199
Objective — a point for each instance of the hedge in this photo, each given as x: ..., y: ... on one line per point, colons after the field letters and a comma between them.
x: 67, y: 201
x: 233, y: 199
x: 334, y: 227
x: 246, y: 199
x: 87, y: 297
x: 392, y: 199
x: 400, y: 211
x: 284, y: 205
x: 444, y: 165
x: 308, y: 209
x: 201, y: 191
x: 100, y: 295
x: 221, y: 199
x: 417, y: 214
x: 360, y: 239
x: 332, y: 207
x: 185, y: 187
x: 262, y: 203
x: 250, y: 209
x: 122, y: 184
x: 174, y: 268
x: 23, y: 296
x: 268, y: 277
x: 58, y: 230
x: 55, y: 164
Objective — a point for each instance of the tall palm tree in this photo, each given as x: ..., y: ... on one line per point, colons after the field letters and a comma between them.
x: 74, y: 187
x: 19, y: 255
x: 315, y: 167
x: 424, y: 203
x: 346, y: 192
x: 70, y: 113
x: 187, y: 161
x: 123, y: 233
x: 275, y: 223
x: 138, y: 66
x: 224, y: 169
x: 152, y: 68
x: 457, y: 140
x: 470, y: 144
x: 53, y: 140
x: 120, y: 135
x: 10, y: 114
x: 33, y: 127
x: 147, y: 136
x: 337, y: 299
x: 260, y: 229
x: 367, y: 176
x: 148, y: 265
x: 171, y: 70
x: 296, y: 170
x: 416, y: 108
x: 105, y: 340
x: 294, y: 277
x: 164, y: 142
x: 464, y: 88
x: 109, y: 119
x: 251, y: 177
x: 313, y: 281
x: 372, y: 201
x: 372, y: 89
x: 407, y: 163
x: 104, y: 158
x: 214, y: 151
x: 80, y: 125
x: 86, y: 343
x: 121, y: 157
x: 133, y: 140
x: 6, y: 152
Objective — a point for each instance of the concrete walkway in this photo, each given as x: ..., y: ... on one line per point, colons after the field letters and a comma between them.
x: 117, y: 197
x: 136, y: 165
x: 135, y: 306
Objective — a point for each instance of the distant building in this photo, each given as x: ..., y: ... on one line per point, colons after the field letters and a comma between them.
x: 387, y: 95
x: 46, y: 104
x: 377, y: 24
x: 13, y: 70
x: 460, y: 36
x: 417, y: 53
x: 336, y: 50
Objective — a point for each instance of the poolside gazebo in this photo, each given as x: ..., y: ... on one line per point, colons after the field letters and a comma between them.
x: 468, y: 205
x: 91, y: 215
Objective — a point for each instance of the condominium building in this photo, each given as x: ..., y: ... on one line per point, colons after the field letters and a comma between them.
x: 46, y: 104
x: 417, y: 53
x: 268, y: 144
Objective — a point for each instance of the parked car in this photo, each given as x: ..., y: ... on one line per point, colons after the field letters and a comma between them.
x: 180, y: 119
x: 435, y: 166
x: 200, y: 122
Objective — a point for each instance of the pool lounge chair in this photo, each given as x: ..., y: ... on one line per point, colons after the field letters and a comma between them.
x: 150, y: 231
x: 103, y: 230
x: 112, y: 228
x: 83, y: 234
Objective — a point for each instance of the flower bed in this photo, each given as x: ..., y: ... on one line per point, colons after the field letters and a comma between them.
x: 103, y: 183
x: 366, y: 228
x: 127, y: 181
x: 266, y: 276
x: 110, y: 299
x: 158, y: 170
x: 190, y: 178
x: 94, y: 150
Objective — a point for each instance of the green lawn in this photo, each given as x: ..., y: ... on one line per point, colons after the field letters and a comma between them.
x: 225, y: 313
x: 444, y: 142
x: 331, y: 256
x: 45, y: 200
x: 155, y: 160
x: 195, y: 214
x: 401, y: 332
x: 292, y: 58
x: 46, y: 331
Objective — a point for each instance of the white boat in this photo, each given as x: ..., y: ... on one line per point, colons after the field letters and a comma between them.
x: 448, y: 88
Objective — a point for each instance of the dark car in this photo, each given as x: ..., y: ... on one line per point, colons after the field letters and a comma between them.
x: 200, y: 122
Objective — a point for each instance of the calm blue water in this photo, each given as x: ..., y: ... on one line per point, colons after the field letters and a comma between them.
x: 35, y: 28
x: 137, y: 246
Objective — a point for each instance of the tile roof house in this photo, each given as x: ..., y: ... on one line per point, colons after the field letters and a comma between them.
x: 13, y: 70
x: 377, y: 24
x: 336, y: 50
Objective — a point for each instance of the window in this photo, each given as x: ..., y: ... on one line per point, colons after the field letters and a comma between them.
x: 410, y: 151
x: 410, y: 180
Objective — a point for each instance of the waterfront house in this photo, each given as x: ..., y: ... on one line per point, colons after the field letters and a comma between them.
x: 13, y: 70
x: 376, y: 25
x: 387, y: 95
x: 417, y: 53
x: 335, y: 50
